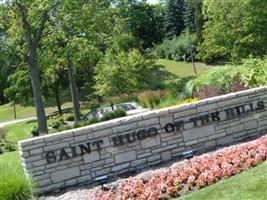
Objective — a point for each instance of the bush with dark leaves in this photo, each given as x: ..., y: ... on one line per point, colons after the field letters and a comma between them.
x: 207, y: 91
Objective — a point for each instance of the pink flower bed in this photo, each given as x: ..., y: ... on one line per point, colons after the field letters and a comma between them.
x: 189, y: 175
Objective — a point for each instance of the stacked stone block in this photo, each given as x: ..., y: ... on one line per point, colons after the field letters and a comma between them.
x: 157, y: 147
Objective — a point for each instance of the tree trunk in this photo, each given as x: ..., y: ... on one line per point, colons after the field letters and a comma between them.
x: 112, y: 105
x: 41, y: 118
x: 58, y: 103
x: 193, y: 62
x: 14, y: 110
x: 74, y: 91
x: 36, y: 87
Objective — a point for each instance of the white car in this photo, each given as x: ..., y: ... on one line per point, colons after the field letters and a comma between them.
x: 131, y: 108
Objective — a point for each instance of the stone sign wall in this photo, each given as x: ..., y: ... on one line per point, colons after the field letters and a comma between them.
x: 110, y: 148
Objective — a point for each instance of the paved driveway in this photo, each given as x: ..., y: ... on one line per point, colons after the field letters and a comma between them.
x: 16, y: 121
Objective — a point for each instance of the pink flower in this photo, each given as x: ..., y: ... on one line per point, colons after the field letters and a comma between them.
x: 197, y: 172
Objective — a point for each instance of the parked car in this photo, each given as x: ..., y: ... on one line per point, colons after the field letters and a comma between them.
x: 131, y: 108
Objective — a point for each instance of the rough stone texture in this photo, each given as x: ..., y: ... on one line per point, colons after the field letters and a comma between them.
x: 65, y: 174
x: 125, y: 157
x: 89, y: 158
x: 200, y: 132
x: 113, y: 160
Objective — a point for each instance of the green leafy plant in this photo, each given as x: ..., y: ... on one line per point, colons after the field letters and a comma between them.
x: 2, y: 135
x: 94, y: 106
x: 124, y: 98
x: 10, y: 147
x: 119, y: 113
x: 94, y: 120
x: 69, y: 117
x: 112, y: 115
x: 151, y: 98
x: 14, y: 185
x: 56, y: 124
x: 176, y: 86
x: 2, y: 150
x: 220, y: 77
x: 124, y: 72
x: 108, y: 116
x: 255, y: 72
x: 35, y: 132
x: 80, y: 124
x: 175, y: 49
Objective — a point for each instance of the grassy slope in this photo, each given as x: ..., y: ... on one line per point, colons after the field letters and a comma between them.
x: 249, y: 185
x: 182, y: 68
x: 19, y: 131
x: 6, y: 111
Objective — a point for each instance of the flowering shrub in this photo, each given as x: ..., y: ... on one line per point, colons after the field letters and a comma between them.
x: 207, y: 91
x: 181, y: 177
x: 189, y: 100
x: 238, y: 85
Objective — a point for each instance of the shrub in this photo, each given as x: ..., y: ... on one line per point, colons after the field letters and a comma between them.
x: 80, y: 124
x: 237, y: 85
x: 10, y: 147
x: 2, y: 135
x: 56, y: 124
x: 35, y: 132
x: 220, y: 77
x: 176, y: 49
x: 119, y: 113
x: 170, y: 100
x: 94, y: 106
x: 2, y: 150
x: 64, y: 128
x: 255, y: 72
x: 69, y: 117
x: 112, y: 115
x: 124, y: 98
x: 94, y: 120
x: 14, y: 185
x: 176, y: 86
x: 151, y: 98
x: 207, y: 91
x: 108, y: 116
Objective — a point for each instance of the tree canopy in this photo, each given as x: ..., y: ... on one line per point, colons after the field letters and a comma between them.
x: 234, y: 30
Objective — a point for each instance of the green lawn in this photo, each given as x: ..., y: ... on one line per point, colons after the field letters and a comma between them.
x: 249, y: 185
x: 27, y: 109
x: 182, y: 68
x: 12, y: 158
x: 7, y: 114
x: 19, y: 131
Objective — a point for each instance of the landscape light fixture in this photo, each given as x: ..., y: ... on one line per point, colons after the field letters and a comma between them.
x: 101, y: 180
x: 188, y: 154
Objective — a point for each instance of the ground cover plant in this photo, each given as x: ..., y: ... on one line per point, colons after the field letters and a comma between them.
x: 250, y: 184
x: 190, y: 175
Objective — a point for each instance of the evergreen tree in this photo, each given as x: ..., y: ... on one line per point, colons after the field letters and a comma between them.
x: 174, y: 18
x: 189, y: 15
x: 193, y: 17
x: 199, y: 20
